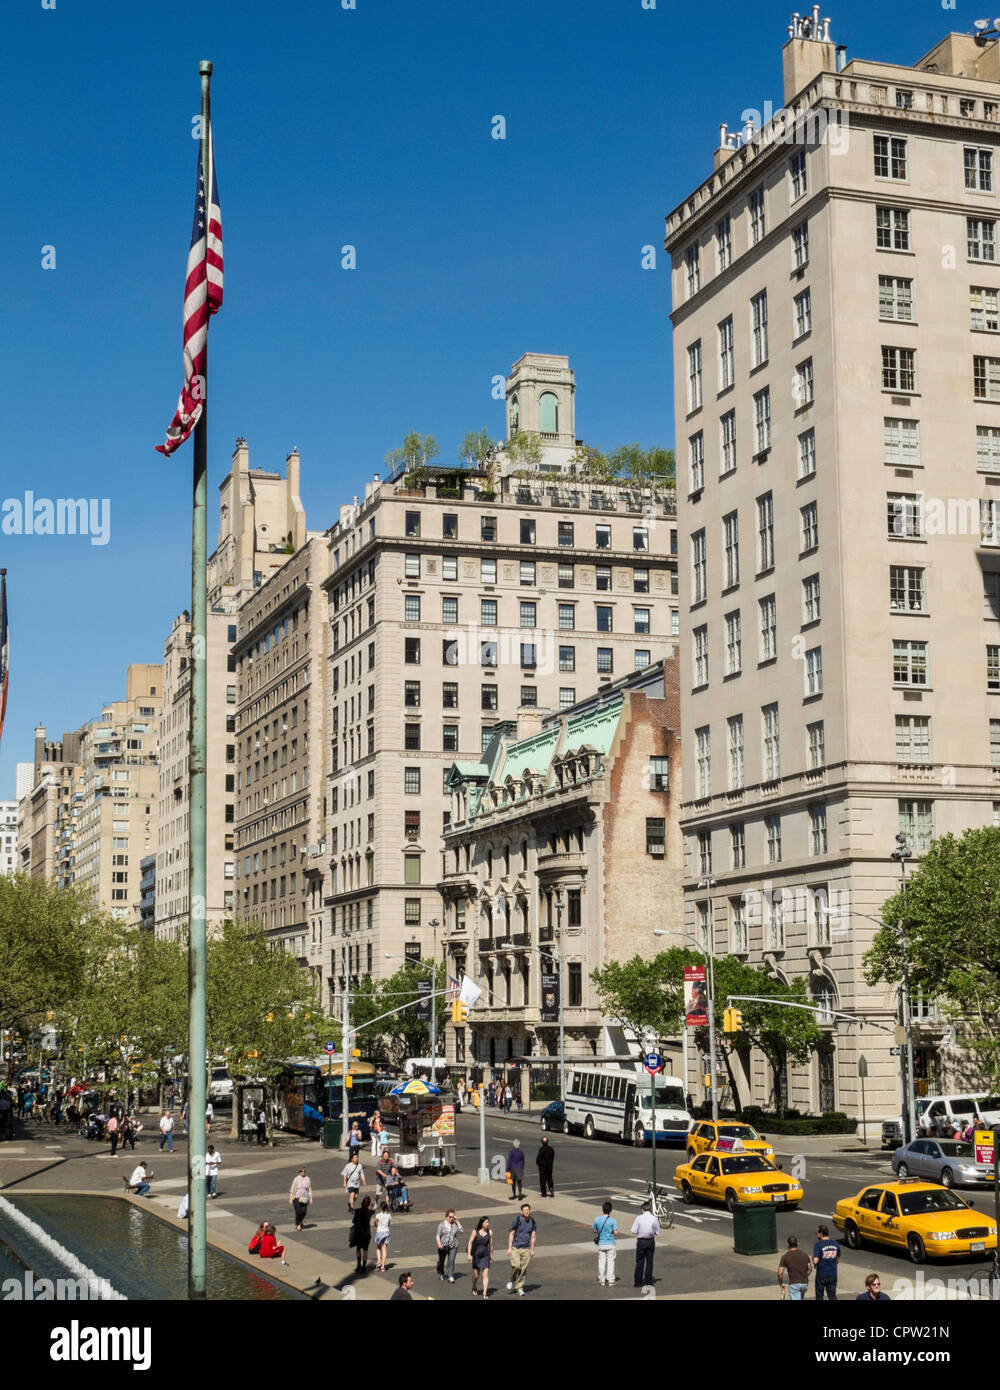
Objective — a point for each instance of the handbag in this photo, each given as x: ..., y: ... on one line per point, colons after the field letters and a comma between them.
x: 598, y: 1234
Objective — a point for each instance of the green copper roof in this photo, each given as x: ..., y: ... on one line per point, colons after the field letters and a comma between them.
x: 594, y: 728
x: 530, y: 753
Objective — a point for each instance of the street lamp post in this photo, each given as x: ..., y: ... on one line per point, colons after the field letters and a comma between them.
x: 562, y: 1001
x: 901, y: 853
x: 710, y: 957
x: 433, y: 924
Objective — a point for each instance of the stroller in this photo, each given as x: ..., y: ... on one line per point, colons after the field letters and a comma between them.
x: 396, y: 1194
x: 92, y: 1127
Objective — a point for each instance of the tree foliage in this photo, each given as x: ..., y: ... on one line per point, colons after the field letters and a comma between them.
x: 416, y: 452
x: 524, y: 449
x: 951, y: 915
x: 402, y: 1034
x: 649, y: 995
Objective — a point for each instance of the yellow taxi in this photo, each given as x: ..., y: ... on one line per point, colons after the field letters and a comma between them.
x: 736, y: 1178
x: 922, y: 1218
x: 720, y: 1134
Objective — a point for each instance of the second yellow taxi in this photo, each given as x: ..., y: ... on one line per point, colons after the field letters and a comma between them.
x: 736, y: 1179
x: 922, y: 1218
x: 711, y: 1134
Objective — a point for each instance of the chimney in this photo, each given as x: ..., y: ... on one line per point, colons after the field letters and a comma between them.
x: 292, y: 462
x: 241, y: 456
x: 808, y: 52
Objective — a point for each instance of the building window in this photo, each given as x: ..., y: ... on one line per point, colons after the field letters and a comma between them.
x: 797, y: 173
x: 488, y: 571
x: 574, y: 984
x: 659, y: 774
x: 892, y: 229
x: 485, y: 737
x: 411, y: 736
x: 567, y: 696
x: 527, y: 613
x: 640, y: 538
x: 774, y: 909
x: 772, y: 826
x: 567, y: 658
x: 526, y: 574
x: 734, y: 643
x: 979, y: 169
x: 991, y: 594
x: 449, y: 695
x: 487, y: 528
x: 765, y: 533
x: 727, y: 371
x: 411, y: 694
x: 987, y: 448
x: 810, y: 599
x: 411, y: 651
x: 768, y: 628
x: 703, y: 741
x: 758, y: 330
x: 529, y: 696
x: 449, y: 738
x: 527, y: 532
x: 770, y: 743
x: 905, y: 514
x: 895, y: 298
x: 640, y: 581
x: 723, y: 244
x: 804, y: 385
x: 656, y: 836
x: 411, y: 566
x: 815, y: 746
x: 488, y: 697
x: 696, y: 461
x: 566, y: 576
x: 731, y: 549
x: 449, y: 526
x: 800, y: 246
x: 605, y: 661
x: 529, y: 656
x: 412, y: 524
x: 819, y: 902
x: 694, y: 377
x: 734, y: 729
x: 548, y: 413
x: 692, y: 260
x: 989, y: 521
x: 890, y: 157
x: 738, y: 926
x: 605, y: 618
x: 699, y: 575
x: 602, y: 537
x: 737, y: 846
x: 411, y: 608
x: 411, y: 825
x: 488, y: 612
x: 640, y: 621
x: 449, y: 609
x: 727, y: 429
x: 986, y: 378
x: 411, y: 781
x: 814, y: 671
x: 809, y: 515
x: 565, y: 533
x: 802, y: 314
x: 913, y: 738
x: 705, y: 863
x: 901, y: 442
x: 567, y: 617
x: 984, y: 309
x: 916, y: 823
x: 449, y: 567
x: 909, y: 662
x: 699, y: 640
x: 762, y: 420
x: 488, y: 654
x: 981, y: 237
x: 755, y: 203
x: 411, y: 868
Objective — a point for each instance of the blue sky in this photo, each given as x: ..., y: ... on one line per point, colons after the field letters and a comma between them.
x: 369, y: 127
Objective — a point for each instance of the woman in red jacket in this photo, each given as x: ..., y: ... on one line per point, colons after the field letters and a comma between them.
x: 269, y: 1247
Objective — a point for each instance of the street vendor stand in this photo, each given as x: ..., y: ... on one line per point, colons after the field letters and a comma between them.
x: 426, y: 1129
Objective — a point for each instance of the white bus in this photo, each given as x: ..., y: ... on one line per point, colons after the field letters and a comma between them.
x: 616, y: 1103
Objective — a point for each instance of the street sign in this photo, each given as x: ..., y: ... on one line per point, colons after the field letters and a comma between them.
x: 983, y: 1140
x: 329, y: 1047
x: 862, y: 1066
x: 653, y: 1062
x: 895, y: 1051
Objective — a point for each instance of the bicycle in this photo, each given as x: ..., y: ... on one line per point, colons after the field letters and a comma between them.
x: 660, y: 1205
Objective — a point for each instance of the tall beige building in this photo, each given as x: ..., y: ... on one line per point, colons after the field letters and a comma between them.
x: 261, y: 522
x: 280, y: 657
x: 456, y: 602
x: 837, y: 378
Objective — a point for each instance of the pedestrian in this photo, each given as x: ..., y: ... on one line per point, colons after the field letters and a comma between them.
x: 213, y: 1162
x: 376, y: 1128
x: 460, y: 1093
x: 269, y: 1248
x: 383, y: 1228
x: 112, y: 1133
x: 138, y: 1181
x: 520, y: 1248
x: 645, y: 1228
x: 354, y: 1180
x: 256, y: 1238
x: 544, y: 1160
x: 300, y: 1196
x: 184, y: 1115
x: 490, y: 1098
x: 171, y: 1092
x: 209, y: 1117
x: 395, y: 1190
x: 361, y: 1234
x: 515, y: 1167
x: 383, y: 1169
x: 826, y: 1258
x: 261, y: 1124
x: 873, y: 1291
x: 480, y: 1252
x: 6, y: 1116
x: 182, y: 1210
x: 448, y: 1232
x: 128, y: 1133
x: 796, y: 1262
x: 402, y: 1292
x: 605, y: 1228
x: 508, y: 1098
x: 167, y: 1131
x: 355, y: 1139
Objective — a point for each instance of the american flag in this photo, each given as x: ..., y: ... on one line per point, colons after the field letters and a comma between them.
x: 4, y: 648
x: 453, y: 988
x: 202, y: 298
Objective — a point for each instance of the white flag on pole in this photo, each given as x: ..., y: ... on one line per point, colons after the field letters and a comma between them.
x: 469, y: 992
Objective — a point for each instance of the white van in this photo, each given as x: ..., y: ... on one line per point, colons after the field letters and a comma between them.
x: 942, y: 1113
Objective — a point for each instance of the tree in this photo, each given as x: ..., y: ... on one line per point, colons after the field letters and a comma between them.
x: 50, y: 939
x: 951, y: 915
x: 524, y: 450
x: 592, y: 463
x: 643, y: 467
x: 417, y: 451
x: 649, y: 994
x: 402, y: 1034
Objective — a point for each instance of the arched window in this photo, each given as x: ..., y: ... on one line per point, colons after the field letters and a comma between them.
x: 548, y: 413
x: 515, y: 414
x: 824, y: 997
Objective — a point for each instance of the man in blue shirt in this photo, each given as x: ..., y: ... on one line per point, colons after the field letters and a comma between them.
x: 520, y: 1248
x: 605, y: 1228
x: 826, y: 1258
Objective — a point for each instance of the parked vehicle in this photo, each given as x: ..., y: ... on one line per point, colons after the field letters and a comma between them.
x: 942, y: 1114
x: 553, y: 1117
x: 946, y: 1161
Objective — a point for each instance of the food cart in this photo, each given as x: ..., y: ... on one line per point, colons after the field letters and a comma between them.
x: 426, y: 1128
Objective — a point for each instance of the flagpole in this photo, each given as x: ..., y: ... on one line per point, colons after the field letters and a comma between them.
x: 198, y: 750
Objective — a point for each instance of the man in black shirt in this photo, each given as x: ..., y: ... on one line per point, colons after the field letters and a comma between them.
x: 402, y: 1293
x: 873, y: 1291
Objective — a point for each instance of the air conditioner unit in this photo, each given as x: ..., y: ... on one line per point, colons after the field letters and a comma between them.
x: 313, y: 850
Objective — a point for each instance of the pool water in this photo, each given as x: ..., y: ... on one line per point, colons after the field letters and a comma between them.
x: 139, y: 1255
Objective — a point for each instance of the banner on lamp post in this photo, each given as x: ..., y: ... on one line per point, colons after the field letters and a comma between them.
x: 695, y: 997
x: 550, y: 999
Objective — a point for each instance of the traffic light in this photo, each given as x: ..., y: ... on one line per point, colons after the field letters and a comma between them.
x: 732, y: 1020
x: 459, y: 1012
x: 355, y: 1051
x: 348, y: 1081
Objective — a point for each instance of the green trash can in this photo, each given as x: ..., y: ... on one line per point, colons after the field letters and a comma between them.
x: 755, y: 1230
x: 333, y: 1132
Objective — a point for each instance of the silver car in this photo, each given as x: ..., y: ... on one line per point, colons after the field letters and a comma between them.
x: 946, y: 1161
